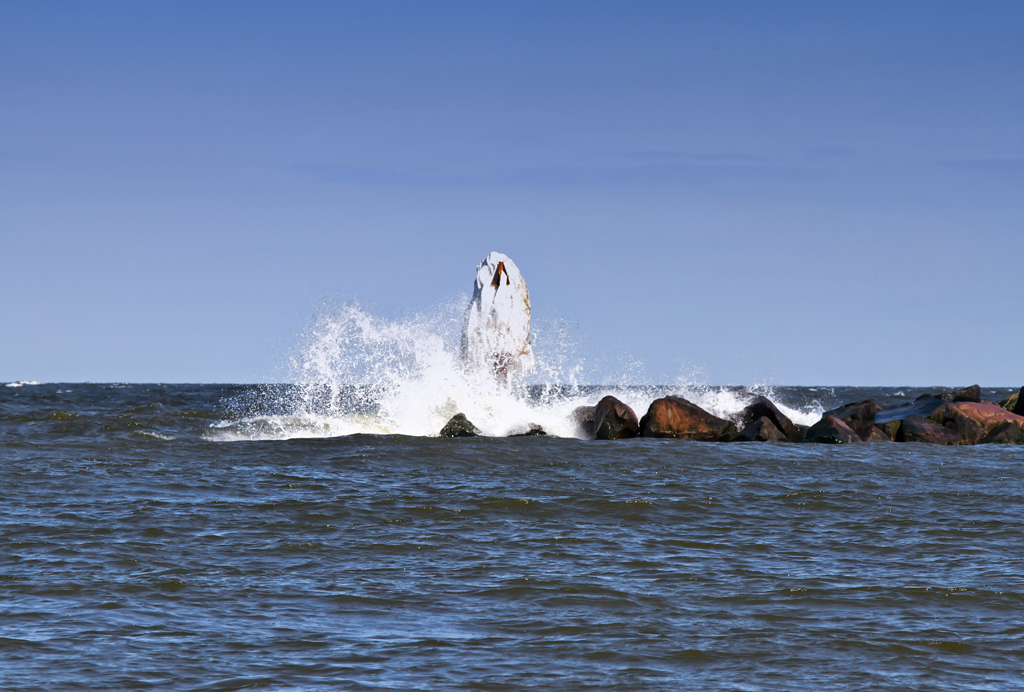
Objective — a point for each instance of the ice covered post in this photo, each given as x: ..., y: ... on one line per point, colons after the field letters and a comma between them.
x: 496, y: 334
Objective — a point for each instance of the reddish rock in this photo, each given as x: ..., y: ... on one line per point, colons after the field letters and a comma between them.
x: 860, y: 416
x: 831, y: 430
x: 921, y: 429
x: 613, y: 420
x: 1004, y: 433
x: 974, y: 420
x: 761, y: 430
x: 761, y: 407
x: 674, y: 416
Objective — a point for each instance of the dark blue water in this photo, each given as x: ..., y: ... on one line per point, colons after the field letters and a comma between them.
x: 140, y: 551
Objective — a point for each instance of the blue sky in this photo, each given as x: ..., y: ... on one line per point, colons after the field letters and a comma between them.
x: 748, y: 192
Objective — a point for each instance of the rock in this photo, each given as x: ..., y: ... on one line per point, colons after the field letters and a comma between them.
x: 889, y: 429
x: 1012, y: 403
x: 875, y: 434
x: 674, y: 416
x: 761, y: 430
x: 972, y: 393
x: 921, y: 429
x: 923, y: 405
x: 613, y: 420
x: 761, y: 407
x: 459, y: 426
x: 973, y: 420
x: 534, y: 431
x: 831, y: 430
x: 583, y: 417
x: 1005, y: 433
x: 860, y: 416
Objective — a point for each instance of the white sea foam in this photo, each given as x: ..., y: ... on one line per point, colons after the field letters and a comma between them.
x: 22, y: 383
x: 357, y: 372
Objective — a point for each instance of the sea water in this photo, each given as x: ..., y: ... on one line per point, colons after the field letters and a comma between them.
x: 319, y: 535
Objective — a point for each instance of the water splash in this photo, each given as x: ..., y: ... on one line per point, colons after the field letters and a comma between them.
x: 357, y: 372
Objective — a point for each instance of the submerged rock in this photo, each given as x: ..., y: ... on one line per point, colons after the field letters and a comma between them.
x: 860, y: 417
x: 534, y: 431
x: 921, y: 429
x: 459, y: 426
x: 761, y: 430
x: 831, y: 430
x: 761, y: 407
x: 613, y: 420
x: 973, y: 421
x: 674, y: 416
x: 583, y: 418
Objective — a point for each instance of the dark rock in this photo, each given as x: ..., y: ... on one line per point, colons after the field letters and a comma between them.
x: 921, y: 429
x: 583, y: 417
x: 613, y: 420
x: 1013, y: 403
x: 761, y: 430
x: 674, y: 416
x: 923, y: 405
x: 459, y: 426
x: 972, y: 393
x: 888, y: 430
x: 860, y: 416
x: 831, y: 430
x: 1004, y: 433
x: 761, y: 407
x: 801, y: 432
x: 973, y: 420
x: 875, y: 433
x: 534, y: 431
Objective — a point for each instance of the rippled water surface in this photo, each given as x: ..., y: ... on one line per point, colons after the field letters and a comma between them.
x: 141, y: 549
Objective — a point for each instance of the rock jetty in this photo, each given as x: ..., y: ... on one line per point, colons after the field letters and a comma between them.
x: 955, y: 417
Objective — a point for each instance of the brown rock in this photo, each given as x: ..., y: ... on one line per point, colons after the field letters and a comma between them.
x: 972, y: 393
x: 613, y: 420
x: 761, y: 430
x: 1005, y: 433
x: 974, y: 420
x: 831, y: 430
x: 860, y: 416
x: 921, y: 429
x: 674, y: 416
x: 761, y: 407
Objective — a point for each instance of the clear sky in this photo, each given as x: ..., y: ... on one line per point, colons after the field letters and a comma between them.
x: 756, y: 192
